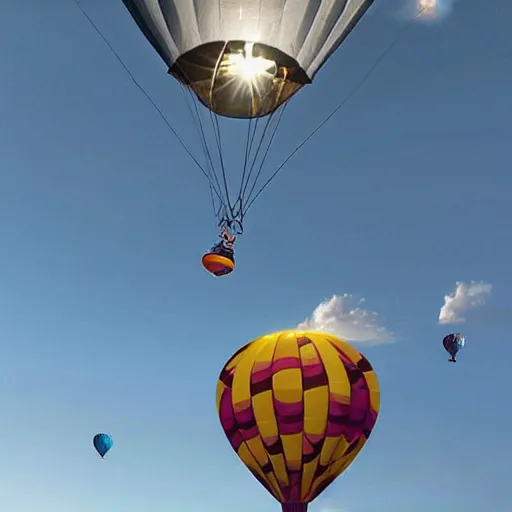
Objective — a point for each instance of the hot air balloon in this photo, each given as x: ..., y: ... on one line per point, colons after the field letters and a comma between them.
x: 452, y: 343
x: 297, y: 407
x: 242, y: 59
x: 103, y: 443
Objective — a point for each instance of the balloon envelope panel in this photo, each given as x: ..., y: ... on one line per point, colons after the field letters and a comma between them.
x: 204, y: 42
x: 297, y: 407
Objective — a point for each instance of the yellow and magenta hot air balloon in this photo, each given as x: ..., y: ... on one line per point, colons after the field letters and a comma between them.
x: 297, y: 407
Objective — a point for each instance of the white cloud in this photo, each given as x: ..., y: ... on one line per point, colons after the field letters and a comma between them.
x: 466, y: 296
x: 343, y: 316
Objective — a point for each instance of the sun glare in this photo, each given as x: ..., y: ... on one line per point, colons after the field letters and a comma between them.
x: 428, y: 7
x: 246, y: 66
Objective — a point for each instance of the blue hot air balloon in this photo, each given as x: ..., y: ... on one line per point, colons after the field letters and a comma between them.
x: 102, y: 443
x: 452, y: 343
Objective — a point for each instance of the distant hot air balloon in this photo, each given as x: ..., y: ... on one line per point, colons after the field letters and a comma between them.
x: 452, y: 343
x: 297, y: 407
x: 242, y: 59
x: 102, y: 443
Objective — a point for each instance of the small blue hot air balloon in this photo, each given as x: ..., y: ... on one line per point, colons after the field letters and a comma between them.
x: 452, y: 343
x: 102, y: 443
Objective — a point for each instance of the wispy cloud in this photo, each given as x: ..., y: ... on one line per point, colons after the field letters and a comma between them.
x: 466, y: 296
x: 344, y: 316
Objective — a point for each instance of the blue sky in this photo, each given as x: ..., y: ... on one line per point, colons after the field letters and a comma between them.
x: 108, y: 322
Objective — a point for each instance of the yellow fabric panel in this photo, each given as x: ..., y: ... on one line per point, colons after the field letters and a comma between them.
x: 287, y: 385
x: 316, y: 337
x: 318, y: 481
x: 260, y: 455
x: 292, y: 447
x: 271, y: 479
x: 339, y: 385
x: 268, y: 339
x: 330, y: 447
x: 242, y: 383
x: 280, y: 471
x: 316, y: 408
x: 265, y: 351
x: 343, y: 463
x: 257, y: 449
x: 248, y: 459
x: 335, y: 469
x: 341, y: 449
x: 286, y: 346
x: 347, y: 349
x: 308, y: 355
x: 308, y: 472
x: 263, y: 408
x: 306, y: 334
x: 373, y: 385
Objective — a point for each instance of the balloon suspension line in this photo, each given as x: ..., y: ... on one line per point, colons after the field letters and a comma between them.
x: 206, y: 173
x: 260, y: 137
x: 214, y: 184
x: 347, y: 98
x: 280, y: 113
x: 224, y: 209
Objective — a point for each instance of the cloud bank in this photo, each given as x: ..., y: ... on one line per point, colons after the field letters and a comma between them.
x: 343, y: 316
x: 466, y: 296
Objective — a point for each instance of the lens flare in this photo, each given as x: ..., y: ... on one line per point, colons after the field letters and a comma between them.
x: 428, y: 8
x: 246, y: 66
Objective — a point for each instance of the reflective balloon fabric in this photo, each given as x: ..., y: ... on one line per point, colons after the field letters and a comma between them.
x: 245, y: 58
x: 297, y: 407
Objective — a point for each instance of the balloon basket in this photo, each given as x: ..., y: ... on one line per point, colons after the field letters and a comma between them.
x: 218, y: 264
x: 294, y: 507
